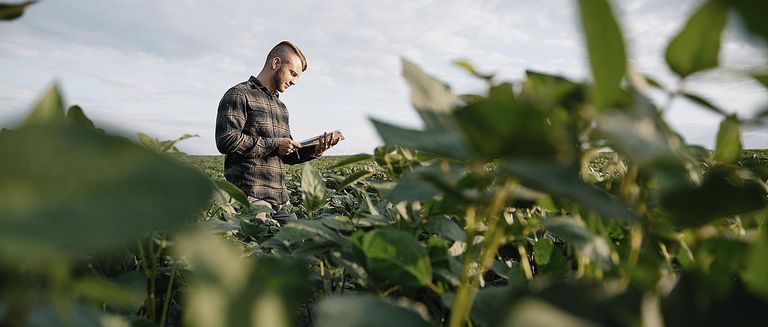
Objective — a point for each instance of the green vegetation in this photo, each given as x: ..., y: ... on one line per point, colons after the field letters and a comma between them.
x: 504, y: 210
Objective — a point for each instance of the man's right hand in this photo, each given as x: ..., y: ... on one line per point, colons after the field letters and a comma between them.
x: 286, y: 146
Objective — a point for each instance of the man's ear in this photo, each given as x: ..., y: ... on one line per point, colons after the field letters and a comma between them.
x: 276, y: 62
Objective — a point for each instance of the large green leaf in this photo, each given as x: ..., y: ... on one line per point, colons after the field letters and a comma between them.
x: 697, y: 46
x: 397, y: 257
x: 432, y: 99
x: 423, y: 183
x: 313, y: 189
x: 605, y: 44
x: 498, y: 127
x: 728, y: 146
x: 65, y: 189
x: 726, y: 191
x: 445, y: 142
x: 564, y: 181
x: 365, y: 310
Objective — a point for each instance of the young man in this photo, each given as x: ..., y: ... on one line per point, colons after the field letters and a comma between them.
x: 252, y: 131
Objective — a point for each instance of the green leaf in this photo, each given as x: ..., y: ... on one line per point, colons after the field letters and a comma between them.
x: 313, y: 189
x: 48, y: 110
x: 354, y: 178
x: 149, y: 142
x: 397, y: 257
x: 697, y: 46
x: 563, y: 181
x: 725, y: 191
x: 576, y: 234
x: 752, y: 14
x: 471, y: 69
x: 605, y: 44
x: 352, y: 159
x: 445, y: 226
x: 76, y: 116
x: 546, y: 91
x: 431, y: 98
x: 339, y: 223
x: 542, y: 250
x: 642, y: 135
x: 13, y: 11
x: 704, y: 103
x: 653, y: 82
x: 728, y: 146
x: 68, y: 189
x: 762, y: 78
x: 365, y: 310
x: 502, y: 128
x: 445, y: 142
x: 170, y: 146
x: 756, y: 274
x: 310, y: 229
x: 233, y: 191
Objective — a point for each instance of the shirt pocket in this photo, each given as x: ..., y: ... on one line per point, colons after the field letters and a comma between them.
x: 259, y: 121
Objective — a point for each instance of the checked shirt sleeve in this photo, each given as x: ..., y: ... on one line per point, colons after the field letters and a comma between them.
x: 230, y: 122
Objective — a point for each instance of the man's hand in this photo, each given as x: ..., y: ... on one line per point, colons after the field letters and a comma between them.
x: 286, y: 146
x: 326, y: 142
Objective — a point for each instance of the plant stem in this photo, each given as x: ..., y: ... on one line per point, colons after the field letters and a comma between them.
x: 167, y: 299
x: 469, y: 284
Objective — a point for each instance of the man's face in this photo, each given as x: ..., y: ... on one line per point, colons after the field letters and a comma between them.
x: 286, y: 72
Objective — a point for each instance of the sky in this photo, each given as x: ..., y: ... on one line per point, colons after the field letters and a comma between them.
x: 161, y: 67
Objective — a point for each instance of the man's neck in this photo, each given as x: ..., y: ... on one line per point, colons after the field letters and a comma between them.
x: 266, y: 80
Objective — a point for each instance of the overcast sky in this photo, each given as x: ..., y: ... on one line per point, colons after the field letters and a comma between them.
x: 160, y: 67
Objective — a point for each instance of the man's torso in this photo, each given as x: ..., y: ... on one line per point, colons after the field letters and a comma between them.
x: 266, y: 116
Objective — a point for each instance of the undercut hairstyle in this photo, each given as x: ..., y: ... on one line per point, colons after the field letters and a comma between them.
x: 281, y: 49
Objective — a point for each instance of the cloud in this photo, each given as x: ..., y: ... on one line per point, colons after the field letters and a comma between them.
x: 161, y: 67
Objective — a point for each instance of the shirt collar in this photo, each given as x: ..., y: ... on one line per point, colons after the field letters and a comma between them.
x: 261, y: 86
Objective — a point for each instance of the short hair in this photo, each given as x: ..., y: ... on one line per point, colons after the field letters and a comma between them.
x: 280, y: 49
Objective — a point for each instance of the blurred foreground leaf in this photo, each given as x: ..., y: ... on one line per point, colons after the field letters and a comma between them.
x: 65, y: 189
x: 726, y: 191
x: 13, y: 11
x: 365, y: 310
x: 431, y: 98
x: 605, y: 44
x: 728, y: 146
x: 697, y: 46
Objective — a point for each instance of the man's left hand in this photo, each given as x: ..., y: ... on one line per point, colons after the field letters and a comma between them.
x: 326, y: 142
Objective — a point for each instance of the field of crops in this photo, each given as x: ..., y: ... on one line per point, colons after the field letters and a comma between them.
x: 541, y: 202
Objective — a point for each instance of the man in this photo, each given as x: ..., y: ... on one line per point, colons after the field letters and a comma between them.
x: 252, y: 131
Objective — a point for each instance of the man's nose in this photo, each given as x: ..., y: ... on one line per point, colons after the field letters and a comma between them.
x: 291, y: 83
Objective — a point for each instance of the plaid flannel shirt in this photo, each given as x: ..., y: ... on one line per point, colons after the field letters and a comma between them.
x: 250, y: 120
